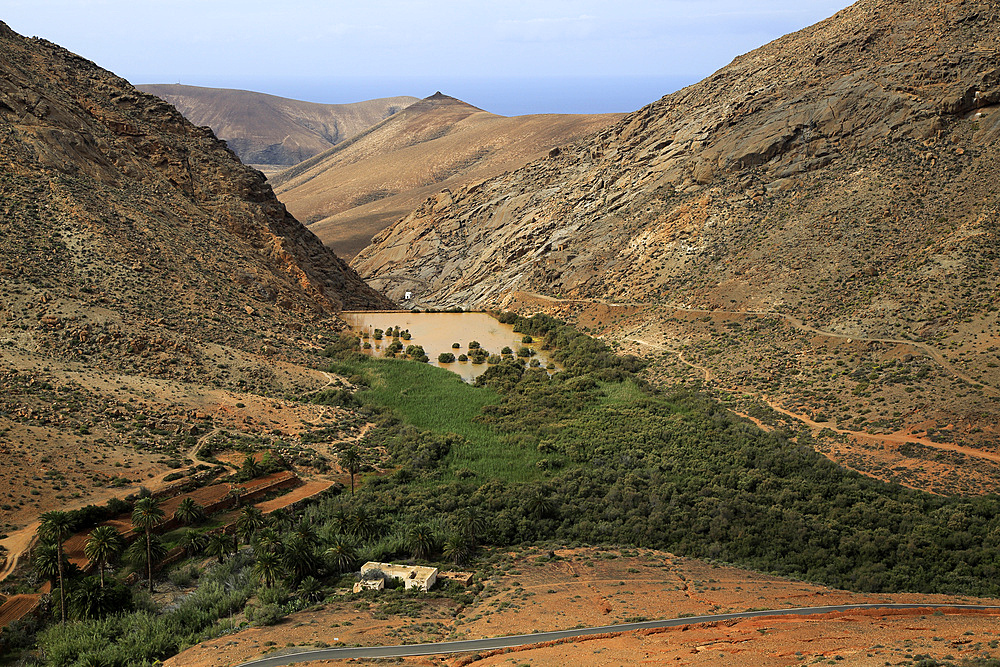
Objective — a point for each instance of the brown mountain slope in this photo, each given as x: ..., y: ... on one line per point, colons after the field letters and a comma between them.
x: 274, y: 132
x: 151, y: 289
x: 358, y: 188
x: 843, y: 175
x: 111, y: 197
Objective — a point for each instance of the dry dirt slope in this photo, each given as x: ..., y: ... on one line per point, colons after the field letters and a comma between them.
x: 359, y: 187
x: 143, y: 269
x: 843, y: 175
x: 274, y: 132
x: 110, y: 196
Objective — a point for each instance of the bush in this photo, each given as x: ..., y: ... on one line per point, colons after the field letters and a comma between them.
x: 268, y: 614
x: 333, y: 397
x: 446, y: 358
x: 182, y: 577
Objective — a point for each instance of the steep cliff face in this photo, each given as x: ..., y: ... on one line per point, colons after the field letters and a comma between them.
x: 845, y: 173
x: 110, y: 197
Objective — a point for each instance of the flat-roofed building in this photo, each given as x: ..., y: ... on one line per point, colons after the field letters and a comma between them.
x: 412, y: 576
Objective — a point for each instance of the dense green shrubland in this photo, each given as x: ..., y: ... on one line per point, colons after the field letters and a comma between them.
x: 590, y: 455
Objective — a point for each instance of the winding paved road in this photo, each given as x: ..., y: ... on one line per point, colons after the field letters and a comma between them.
x: 489, y: 644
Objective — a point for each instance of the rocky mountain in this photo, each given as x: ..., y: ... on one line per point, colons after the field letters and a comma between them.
x: 833, y: 173
x: 271, y: 132
x: 358, y: 188
x: 121, y: 222
x: 843, y: 176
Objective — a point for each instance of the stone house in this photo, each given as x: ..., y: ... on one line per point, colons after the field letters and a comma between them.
x: 412, y: 576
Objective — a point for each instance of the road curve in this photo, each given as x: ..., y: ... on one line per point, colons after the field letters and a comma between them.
x: 492, y: 643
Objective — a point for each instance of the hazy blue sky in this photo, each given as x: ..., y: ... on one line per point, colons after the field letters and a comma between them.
x: 508, y: 56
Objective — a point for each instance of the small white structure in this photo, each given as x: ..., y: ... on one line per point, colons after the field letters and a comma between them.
x: 407, y: 296
x: 413, y: 576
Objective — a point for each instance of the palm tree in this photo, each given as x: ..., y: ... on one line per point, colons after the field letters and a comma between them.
x: 250, y: 469
x: 538, y: 505
x: 300, y: 558
x: 422, y: 541
x: 459, y: 548
x: 45, y: 562
x: 351, y: 462
x: 91, y: 600
x: 281, y: 518
x: 341, y: 554
x: 56, y: 527
x: 220, y: 544
x: 251, y: 520
x: 471, y: 523
x: 340, y: 520
x: 192, y: 541
x: 268, y: 539
x: 144, y: 553
x: 311, y: 589
x: 360, y: 524
x: 146, y: 515
x: 306, y: 532
x: 267, y: 568
x: 103, y: 546
x: 189, y: 511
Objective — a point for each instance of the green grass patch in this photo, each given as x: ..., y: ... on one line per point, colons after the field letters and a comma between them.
x: 436, y: 400
x: 621, y: 392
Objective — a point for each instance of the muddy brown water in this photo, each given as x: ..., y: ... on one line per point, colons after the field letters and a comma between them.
x: 437, y: 332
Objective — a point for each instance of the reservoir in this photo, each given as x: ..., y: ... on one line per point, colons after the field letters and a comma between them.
x: 438, y: 332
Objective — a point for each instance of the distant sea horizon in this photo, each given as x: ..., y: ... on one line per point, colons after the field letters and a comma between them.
x: 506, y: 96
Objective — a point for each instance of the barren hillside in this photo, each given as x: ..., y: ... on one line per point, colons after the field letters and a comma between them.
x: 843, y: 175
x: 143, y: 271
x: 360, y: 187
x: 274, y: 132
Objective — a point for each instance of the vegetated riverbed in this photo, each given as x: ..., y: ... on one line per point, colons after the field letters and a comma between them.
x: 438, y: 332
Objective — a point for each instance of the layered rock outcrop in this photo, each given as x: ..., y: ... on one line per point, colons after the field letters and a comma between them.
x: 845, y: 173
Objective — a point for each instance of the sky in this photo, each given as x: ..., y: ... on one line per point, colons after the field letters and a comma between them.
x: 506, y: 56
